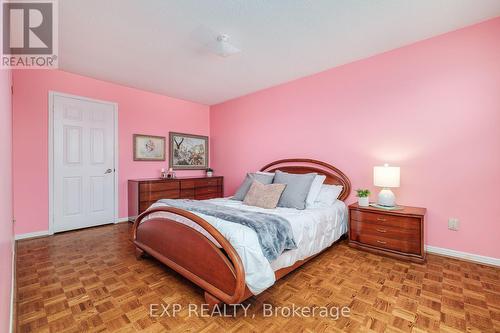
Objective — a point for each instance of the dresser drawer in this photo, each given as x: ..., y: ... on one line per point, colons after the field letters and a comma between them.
x: 187, y: 193
x: 142, y: 193
x: 159, y: 186
x: 412, y: 247
x: 206, y: 182
x: 374, y: 229
x: 188, y: 184
x: 145, y: 205
x: 208, y: 196
x: 207, y: 190
x: 154, y: 196
x: 400, y: 222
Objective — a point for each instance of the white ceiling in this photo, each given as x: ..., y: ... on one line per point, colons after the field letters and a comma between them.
x: 158, y: 45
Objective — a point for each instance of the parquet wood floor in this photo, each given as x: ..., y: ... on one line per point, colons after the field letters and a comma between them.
x: 90, y: 281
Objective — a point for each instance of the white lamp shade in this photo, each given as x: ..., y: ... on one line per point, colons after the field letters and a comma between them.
x: 386, y: 176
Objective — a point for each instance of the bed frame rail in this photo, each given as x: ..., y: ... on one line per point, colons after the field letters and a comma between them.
x: 179, y: 247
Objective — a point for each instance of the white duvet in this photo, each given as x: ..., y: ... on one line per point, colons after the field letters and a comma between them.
x: 314, y: 229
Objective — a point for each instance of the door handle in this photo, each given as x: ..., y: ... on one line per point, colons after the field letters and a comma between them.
x: 108, y: 171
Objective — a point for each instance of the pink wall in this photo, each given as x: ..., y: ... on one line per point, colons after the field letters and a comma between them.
x: 432, y: 108
x: 6, y: 230
x: 138, y: 112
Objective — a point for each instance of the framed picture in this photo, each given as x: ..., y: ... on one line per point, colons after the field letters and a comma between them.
x: 188, y: 152
x: 149, y: 148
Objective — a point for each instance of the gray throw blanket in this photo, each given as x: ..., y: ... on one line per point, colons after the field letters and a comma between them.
x: 274, y: 232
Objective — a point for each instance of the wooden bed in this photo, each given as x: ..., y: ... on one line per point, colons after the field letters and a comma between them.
x: 219, y: 272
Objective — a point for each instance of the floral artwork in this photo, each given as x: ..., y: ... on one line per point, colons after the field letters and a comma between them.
x: 188, y: 151
x: 149, y: 148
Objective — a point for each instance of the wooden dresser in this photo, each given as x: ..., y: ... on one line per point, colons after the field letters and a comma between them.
x: 142, y: 193
x: 397, y: 233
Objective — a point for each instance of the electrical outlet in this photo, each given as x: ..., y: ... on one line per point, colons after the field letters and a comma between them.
x: 453, y: 224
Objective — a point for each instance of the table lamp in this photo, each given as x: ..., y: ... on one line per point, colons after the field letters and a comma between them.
x: 386, y: 177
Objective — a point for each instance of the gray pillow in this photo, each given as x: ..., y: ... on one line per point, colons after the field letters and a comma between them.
x: 245, y: 186
x: 297, y: 188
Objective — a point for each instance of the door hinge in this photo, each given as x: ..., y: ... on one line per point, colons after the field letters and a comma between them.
x: 13, y: 221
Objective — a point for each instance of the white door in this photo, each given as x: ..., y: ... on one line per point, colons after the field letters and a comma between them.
x: 83, y: 162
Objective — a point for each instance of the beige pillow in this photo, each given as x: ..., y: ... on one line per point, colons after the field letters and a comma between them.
x: 264, y: 196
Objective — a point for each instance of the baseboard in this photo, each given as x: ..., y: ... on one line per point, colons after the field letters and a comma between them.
x: 47, y: 233
x: 122, y: 219
x: 32, y: 234
x: 463, y: 255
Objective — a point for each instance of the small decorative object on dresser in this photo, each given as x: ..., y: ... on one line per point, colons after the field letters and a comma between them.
x: 363, y: 197
x: 149, y: 148
x: 210, y: 172
x: 397, y: 233
x: 170, y: 173
x: 142, y: 193
x: 188, y: 151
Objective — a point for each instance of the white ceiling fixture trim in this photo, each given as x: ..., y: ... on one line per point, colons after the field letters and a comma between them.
x: 222, y: 47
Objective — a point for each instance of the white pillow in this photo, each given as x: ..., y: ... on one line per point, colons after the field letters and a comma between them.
x: 265, y: 173
x: 328, y: 195
x: 315, y: 189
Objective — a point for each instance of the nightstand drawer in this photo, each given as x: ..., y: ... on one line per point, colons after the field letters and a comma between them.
x: 388, y: 243
x: 374, y: 229
x: 412, y: 247
x: 399, y: 222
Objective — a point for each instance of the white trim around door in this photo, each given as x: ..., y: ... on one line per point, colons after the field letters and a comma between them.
x: 51, y: 96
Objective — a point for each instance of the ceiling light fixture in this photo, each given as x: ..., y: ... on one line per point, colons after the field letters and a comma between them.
x: 222, y: 47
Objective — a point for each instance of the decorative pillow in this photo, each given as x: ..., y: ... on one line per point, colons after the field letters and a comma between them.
x: 265, y: 173
x: 328, y: 195
x: 264, y: 196
x: 297, y: 188
x: 245, y: 186
x: 315, y: 189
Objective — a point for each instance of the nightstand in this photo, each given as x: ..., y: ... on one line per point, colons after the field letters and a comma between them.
x: 396, y: 233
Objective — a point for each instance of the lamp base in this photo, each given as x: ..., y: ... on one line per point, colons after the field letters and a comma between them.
x: 386, y: 198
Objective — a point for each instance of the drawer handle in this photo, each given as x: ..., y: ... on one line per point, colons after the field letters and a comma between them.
x: 381, y: 242
x: 381, y: 219
x: 381, y: 230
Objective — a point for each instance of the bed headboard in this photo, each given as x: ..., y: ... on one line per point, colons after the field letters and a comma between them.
x: 302, y: 165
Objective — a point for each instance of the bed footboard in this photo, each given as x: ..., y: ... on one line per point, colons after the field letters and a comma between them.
x: 192, y: 255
